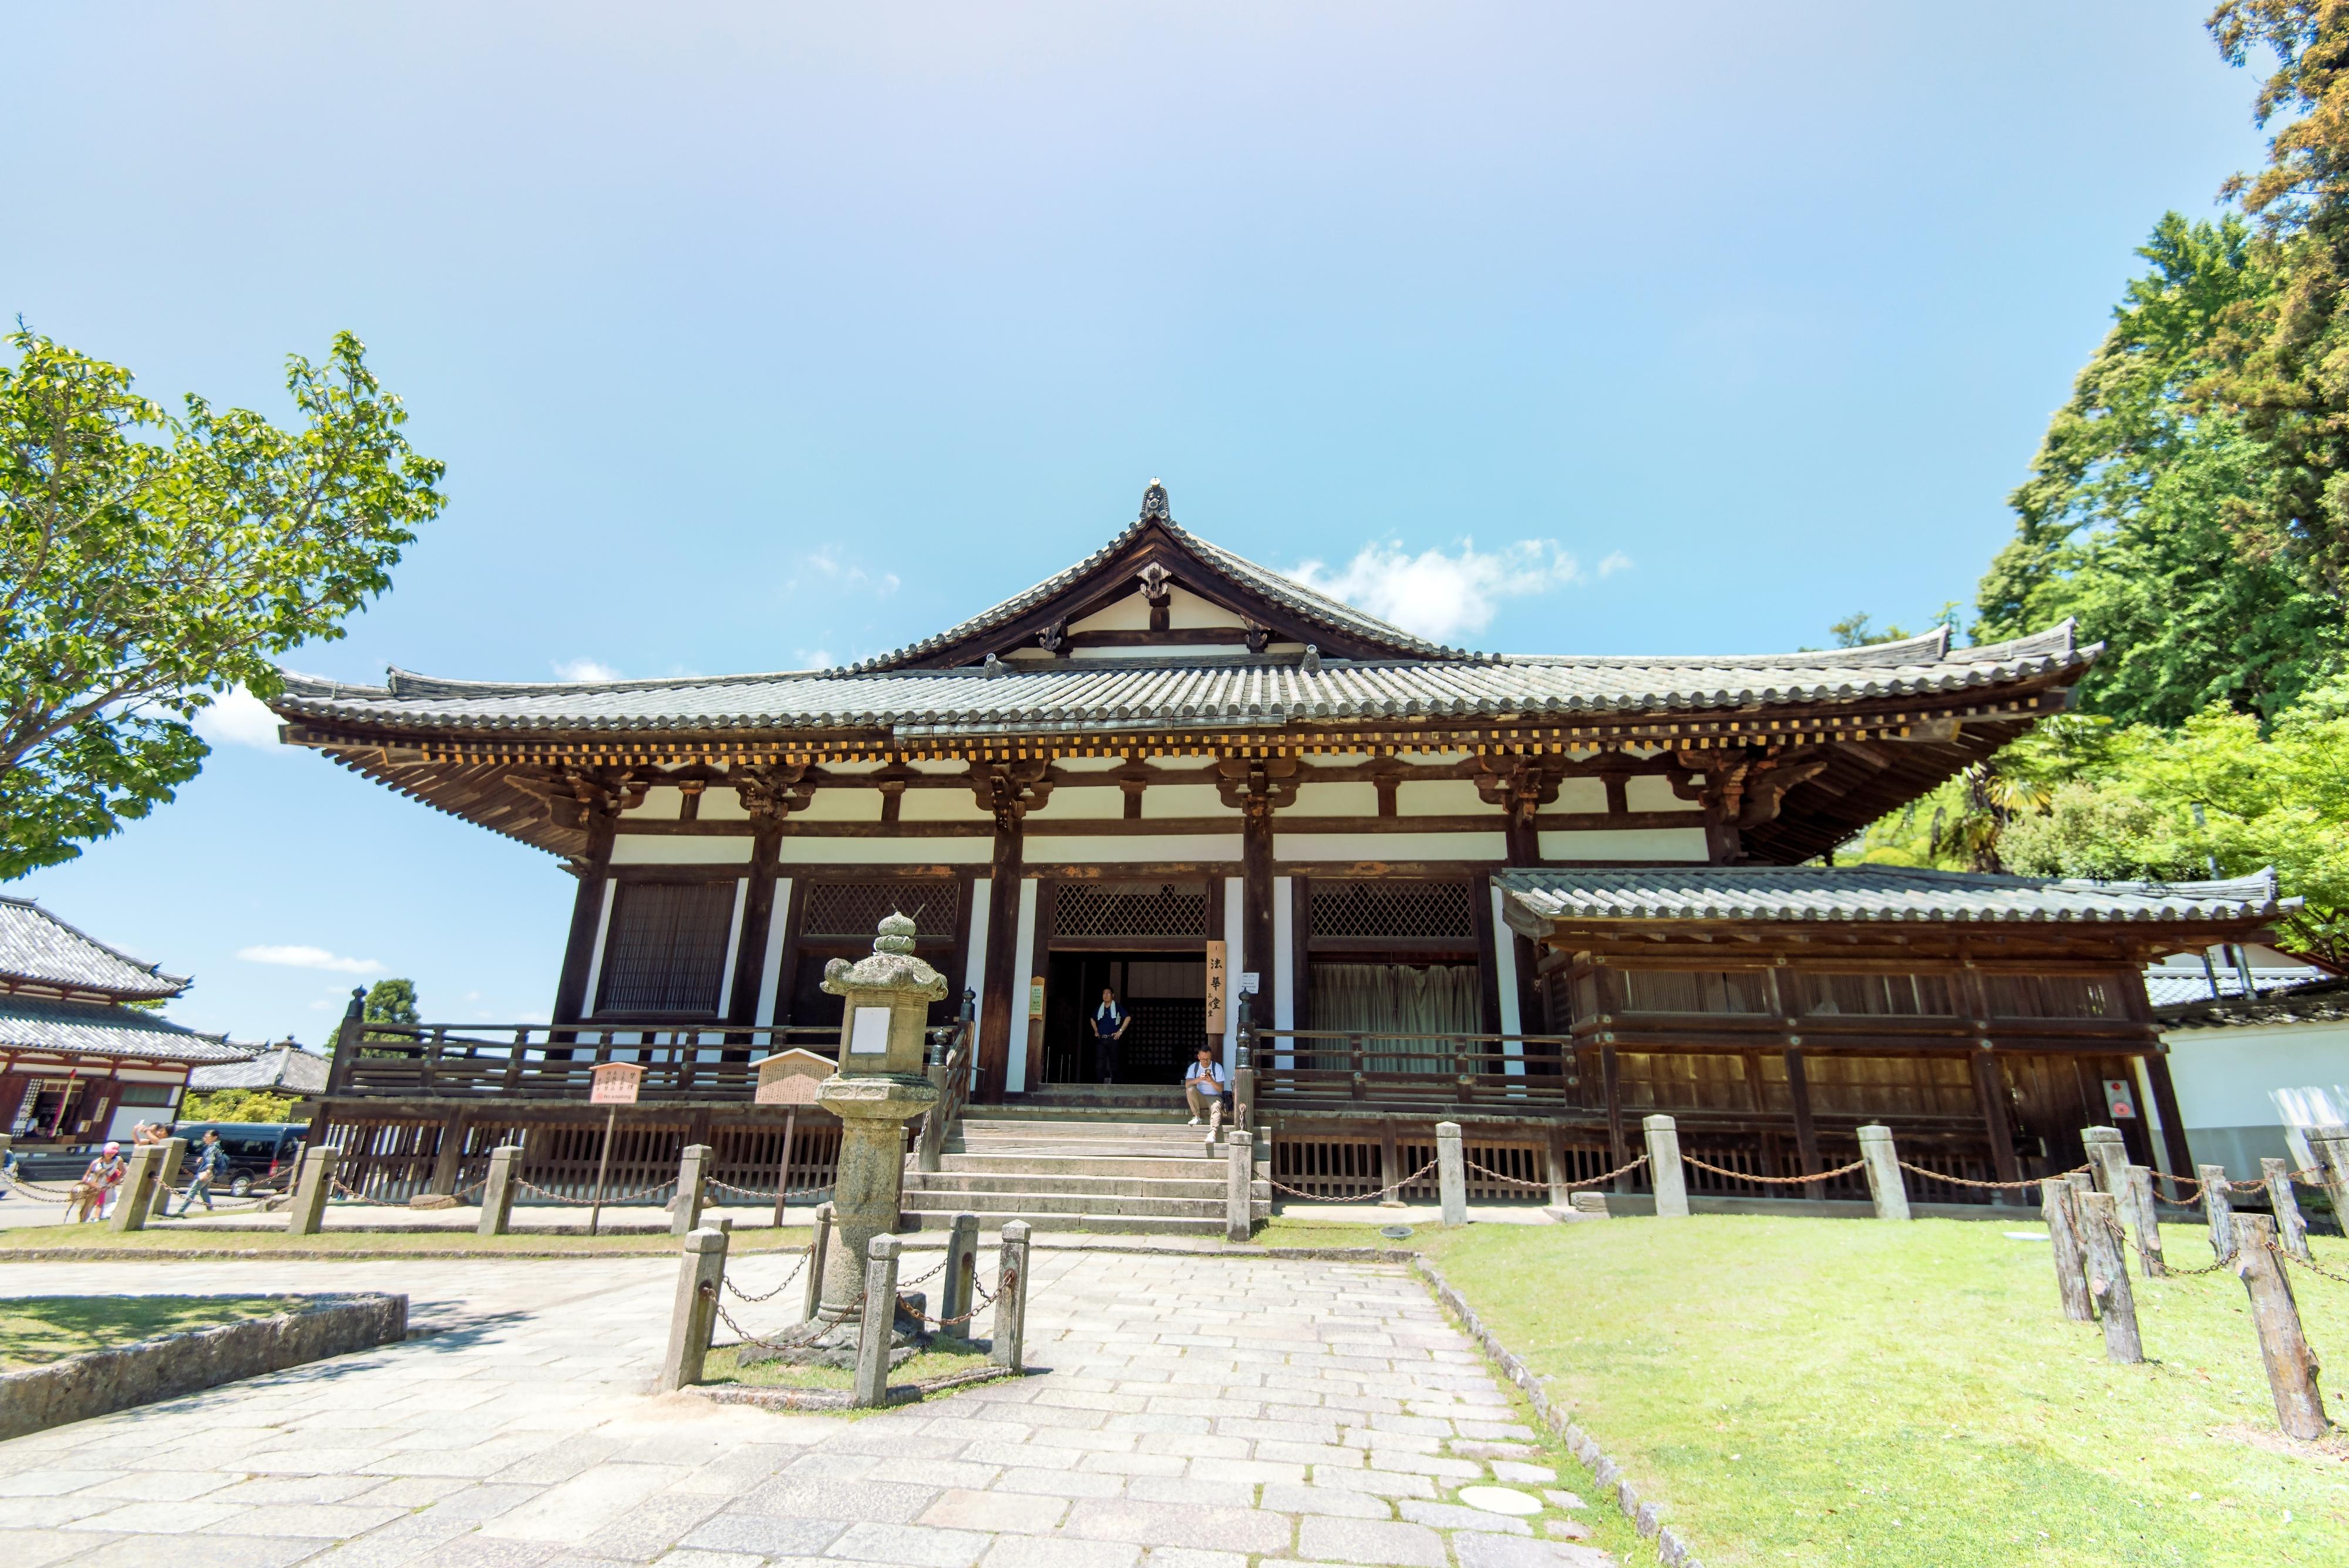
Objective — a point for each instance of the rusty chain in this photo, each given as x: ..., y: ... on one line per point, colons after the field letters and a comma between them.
x: 1356, y: 1198
x: 768, y: 1196
x: 1555, y: 1186
x: 2310, y: 1264
x: 611, y: 1199
x: 1776, y: 1180
x: 2003, y: 1186
x: 802, y: 1256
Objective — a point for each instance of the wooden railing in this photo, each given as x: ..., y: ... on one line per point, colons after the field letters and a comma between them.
x: 1315, y: 1068
x: 950, y: 1075
x: 699, y: 1062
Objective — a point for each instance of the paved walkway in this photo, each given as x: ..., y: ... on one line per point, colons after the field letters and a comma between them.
x: 1198, y: 1413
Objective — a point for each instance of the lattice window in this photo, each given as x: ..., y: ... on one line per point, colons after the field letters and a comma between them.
x: 665, y: 950
x: 857, y: 908
x: 1695, y: 991
x: 1132, y: 910
x: 1394, y: 909
x: 1877, y: 995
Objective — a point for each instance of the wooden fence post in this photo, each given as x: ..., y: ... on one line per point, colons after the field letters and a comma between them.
x: 693, y: 1315
x: 1239, y: 1184
x: 880, y: 1324
x: 819, y: 1245
x: 2145, y: 1219
x: 2059, y: 1204
x: 692, y: 1187
x: 2108, y: 1281
x: 1886, y: 1183
x: 136, y: 1200
x: 167, y: 1175
x: 314, y: 1183
x: 2331, y: 1147
x: 2107, y: 1158
x: 957, y: 1295
x: 1451, y: 1175
x: 1664, y: 1170
x: 2291, y: 1367
x: 498, y: 1189
x: 1009, y: 1333
x: 2292, y: 1231
x: 2218, y: 1209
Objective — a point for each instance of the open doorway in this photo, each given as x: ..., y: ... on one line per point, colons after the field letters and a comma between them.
x: 1167, y: 994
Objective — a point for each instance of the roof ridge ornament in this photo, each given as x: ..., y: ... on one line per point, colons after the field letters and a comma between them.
x: 1157, y: 582
x: 1154, y: 504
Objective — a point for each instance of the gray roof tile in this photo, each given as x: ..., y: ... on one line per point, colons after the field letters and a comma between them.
x: 281, y: 1066
x: 37, y: 946
x: 1874, y: 893
x: 2318, y: 1001
x: 105, y: 1029
x: 1109, y: 693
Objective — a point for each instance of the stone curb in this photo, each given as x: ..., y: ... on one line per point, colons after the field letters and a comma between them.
x: 98, y: 1382
x: 838, y: 1398
x: 457, y: 1254
x: 1647, y: 1518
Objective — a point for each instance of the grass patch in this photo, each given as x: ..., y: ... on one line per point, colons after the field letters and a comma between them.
x: 36, y: 1330
x: 426, y: 1243
x: 943, y: 1359
x: 1832, y: 1391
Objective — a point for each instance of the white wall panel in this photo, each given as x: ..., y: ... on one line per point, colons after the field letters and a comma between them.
x: 1336, y: 800
x: 974, y: 968
x: 1673, y: 844
x: 1351, y: 847
x: 1015, y: 1067
x: 1104, y: 803
x: 941, y: 805
x: 887, y: 851
x: 1284, y: 954
x: 1060, y: 849
x: 853, y: 803
x: 1579, y: 795
x: 1441, y: 797
x: 1652, y: 792
x: 596, y: 958
x: 733, y: 946
x: 1184, y: 800
x: 1235, y: 958
x: 680, y: 849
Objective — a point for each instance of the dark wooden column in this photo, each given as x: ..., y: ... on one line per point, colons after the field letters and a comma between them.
x: 593, y: 867
x: 758, y: 918
x: 997, y: 1014
x: 2173, y: 1125
x: 1256, y: 787
x: 1807, y: 1135
x: 1990, y: 1091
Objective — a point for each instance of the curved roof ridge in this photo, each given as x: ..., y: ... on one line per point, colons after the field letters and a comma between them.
x: 33, y: 949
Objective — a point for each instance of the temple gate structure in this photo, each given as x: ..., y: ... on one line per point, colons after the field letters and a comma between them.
x: 1541, y: 895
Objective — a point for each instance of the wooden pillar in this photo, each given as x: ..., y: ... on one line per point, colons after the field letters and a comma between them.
x: 758, y: 919
x: 449, y: 1156
x: 2165, y: 1102
x: 1990, y: 1093
x: 1522, y: 845
x: 1256, y: 906
x: 593, y: 869
x: 1806, y: 1135
x: 1610, y: 1081
x: 999, y: 1009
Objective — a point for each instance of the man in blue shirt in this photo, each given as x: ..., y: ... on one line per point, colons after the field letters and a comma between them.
x: 1109, y: 1023
x: 1205, y: 1087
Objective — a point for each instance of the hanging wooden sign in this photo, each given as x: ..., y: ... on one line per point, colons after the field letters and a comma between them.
x: 616, y: 1083
x: 1219, y: 989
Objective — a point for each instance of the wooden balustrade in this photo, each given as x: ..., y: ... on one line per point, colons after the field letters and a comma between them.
x: 1315, y: 1068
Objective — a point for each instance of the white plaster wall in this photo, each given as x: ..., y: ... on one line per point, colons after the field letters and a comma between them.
x: 974, y: 969
x: 1058, y: 849
x: 1647, y: 791
x: 770, y: 963
x: 843, y: 805
x: 663, y: 803
x: 1164, y: 651
x: 2275, y: 1075
x: 941, y: 805
x: 680, y: 849
x: 854, y: 767
x: 722, y: 803
x: 1356, y: 846
x: 1673, y: 844
x: 940, y: 765
x: 1184, y: 800
x: 1185, y: 609
x: 1130, y: 613
x: 1015, y: 1069
x: 733, y: 946
x: 1235, y: 941
x: 1579, y: 795
x: 1082, y: 803
x: 1336, y: 800
x: 1441, y: 797
x: 1087, y: 764
x: 1284, y: 954
x: 596, y: 958
x: 1504, y: 976
x: 887, y: 851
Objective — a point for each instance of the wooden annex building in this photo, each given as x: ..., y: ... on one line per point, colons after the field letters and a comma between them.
x: 1539, y: 894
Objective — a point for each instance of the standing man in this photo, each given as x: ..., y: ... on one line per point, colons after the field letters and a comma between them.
x: 212, y: 1163
x: 1109, y: 1023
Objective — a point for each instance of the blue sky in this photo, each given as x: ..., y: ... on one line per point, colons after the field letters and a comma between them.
x: 755, y: 336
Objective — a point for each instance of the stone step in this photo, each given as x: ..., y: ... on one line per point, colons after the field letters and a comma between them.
x: 1062, y: 1127
x: 971, y: 1181
x: 993, y: 1220
x: 1086, y: 1163
x: 1019, y: 1202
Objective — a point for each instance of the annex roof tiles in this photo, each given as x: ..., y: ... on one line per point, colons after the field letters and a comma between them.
x: 2319, y: 1001
x: 1115, y: 693
x: 1875, y: 893
x: 38, y: 949
x: 282, y: 1067
x: 104, y: 1029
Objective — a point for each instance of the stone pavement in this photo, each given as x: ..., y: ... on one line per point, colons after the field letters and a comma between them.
x: 1198, y: 1412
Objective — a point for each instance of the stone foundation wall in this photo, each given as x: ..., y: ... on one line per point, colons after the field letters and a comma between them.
x: 101, y: 1381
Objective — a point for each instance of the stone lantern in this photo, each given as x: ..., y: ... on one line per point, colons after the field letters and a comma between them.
x: 879, y: 1088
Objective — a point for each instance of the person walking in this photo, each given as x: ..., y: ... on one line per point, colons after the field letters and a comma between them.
x: 1110, y: 1025
x: 94, y: 1194
x: 1205, y: 1087
x: 212, y: 1163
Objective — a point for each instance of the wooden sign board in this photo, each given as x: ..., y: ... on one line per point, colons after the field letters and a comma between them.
x: 1036, y: 996
x: 1219, y: 989
x: 616, y: 1083
x: 790, y: 1077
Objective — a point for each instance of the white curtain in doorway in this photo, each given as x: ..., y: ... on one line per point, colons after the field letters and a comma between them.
x: 1406, y: 1003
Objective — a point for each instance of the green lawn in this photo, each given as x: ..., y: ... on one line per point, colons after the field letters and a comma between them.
x: 431, y: 1243
x: 1835, y: 1391
x: 37, y: 1329
x: 943, y: 1359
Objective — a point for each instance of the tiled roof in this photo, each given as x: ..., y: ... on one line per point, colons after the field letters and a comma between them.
x: 1284, y: 591
x: 1115, y: 693
x: 1875, y: 893
x: 2325, y: 1002
x: 104, y: 1029
x: 38, y: 947
x: 281, y: 1066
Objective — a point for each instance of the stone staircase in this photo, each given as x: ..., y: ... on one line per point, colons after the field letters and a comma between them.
x: 1077, y: 1162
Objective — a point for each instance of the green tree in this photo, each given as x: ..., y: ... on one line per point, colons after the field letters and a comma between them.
x: 141, y: 578
x: 2127, y: 521
x: 390, y: 1001
x: 237, y: 1106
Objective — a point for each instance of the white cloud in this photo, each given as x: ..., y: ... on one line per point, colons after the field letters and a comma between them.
x: 238, y: 718
x: 1616, y: 561
x: 583, y: 669
x: 812, y: 659
x: 1442, y: 595
x: 825, y: 569
x: 296, y: 957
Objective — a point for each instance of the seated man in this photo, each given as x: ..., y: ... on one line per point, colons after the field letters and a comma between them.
x: 1205, y: 1087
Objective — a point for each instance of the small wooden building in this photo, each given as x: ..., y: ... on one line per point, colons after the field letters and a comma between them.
x: 77, y: 1064
x: 1172, y: 773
